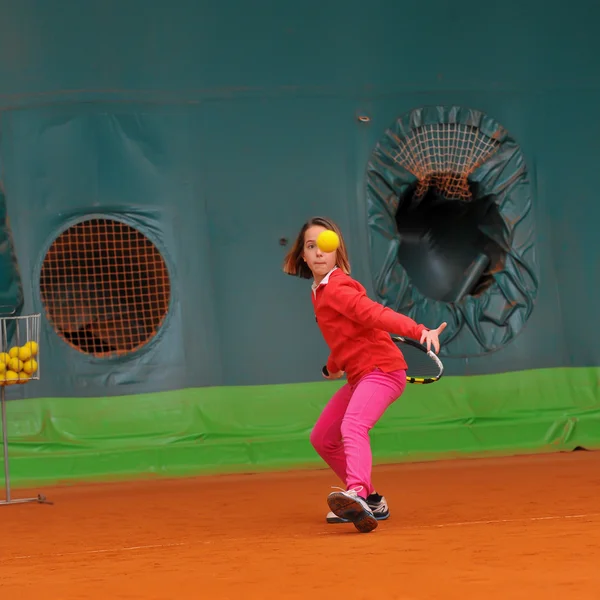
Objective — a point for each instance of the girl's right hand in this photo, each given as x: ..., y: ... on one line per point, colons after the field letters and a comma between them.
x: 432, y: 338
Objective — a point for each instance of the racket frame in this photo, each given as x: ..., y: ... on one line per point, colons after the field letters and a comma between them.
x: 399, y: 339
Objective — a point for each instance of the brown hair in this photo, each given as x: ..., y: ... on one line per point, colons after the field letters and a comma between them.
x: 294, y: 263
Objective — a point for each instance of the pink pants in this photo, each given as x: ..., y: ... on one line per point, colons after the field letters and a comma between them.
x: 341, y: 434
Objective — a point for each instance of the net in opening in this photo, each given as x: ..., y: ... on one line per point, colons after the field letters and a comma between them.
x: 105, y: 287
x: 442, y: 156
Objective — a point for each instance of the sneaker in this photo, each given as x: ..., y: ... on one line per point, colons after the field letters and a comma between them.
x: 377, y: 504
x: 347, y: 504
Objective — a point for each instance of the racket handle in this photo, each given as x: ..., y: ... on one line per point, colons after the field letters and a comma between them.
x: 325, y: 371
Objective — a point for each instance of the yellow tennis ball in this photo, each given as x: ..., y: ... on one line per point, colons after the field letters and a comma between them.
x: 4, y: 358
x: 30, y: 366
x: 328, y: 241
x: 23, y: 377
x: 14, y: 352
x: 15, y: 365
x: 24, y: 353
x: 32, y: 347
x: 11, y: 377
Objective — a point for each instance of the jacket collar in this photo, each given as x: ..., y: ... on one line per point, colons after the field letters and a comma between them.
x: 325, y: 281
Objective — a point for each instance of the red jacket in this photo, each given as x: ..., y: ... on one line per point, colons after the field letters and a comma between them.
x: 356, y: 329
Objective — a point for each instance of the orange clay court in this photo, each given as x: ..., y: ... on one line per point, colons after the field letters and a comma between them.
x: 503, y: 528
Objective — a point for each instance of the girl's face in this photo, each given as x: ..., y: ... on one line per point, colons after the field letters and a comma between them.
x: 319, y: 262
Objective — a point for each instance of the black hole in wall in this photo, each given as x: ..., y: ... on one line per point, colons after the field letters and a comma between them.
x: 450, y: 248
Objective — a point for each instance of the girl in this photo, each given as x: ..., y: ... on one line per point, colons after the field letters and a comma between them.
x: 356, y: 330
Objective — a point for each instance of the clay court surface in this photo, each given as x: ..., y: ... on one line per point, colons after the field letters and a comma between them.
x: 525, y: 527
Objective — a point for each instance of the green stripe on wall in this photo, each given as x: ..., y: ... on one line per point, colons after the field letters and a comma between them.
x: 226, y: 429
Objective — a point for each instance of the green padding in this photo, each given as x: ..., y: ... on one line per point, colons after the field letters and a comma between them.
x: 267, y: 427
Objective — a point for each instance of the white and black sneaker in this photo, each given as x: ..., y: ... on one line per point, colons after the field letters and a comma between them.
x: 377, y: 504
x: 348, y: 505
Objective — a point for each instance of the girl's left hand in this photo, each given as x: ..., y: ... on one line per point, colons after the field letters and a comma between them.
x: 432, y: 337
x: 334, y: 375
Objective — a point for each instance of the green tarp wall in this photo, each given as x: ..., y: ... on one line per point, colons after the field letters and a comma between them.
x: 217, y: 129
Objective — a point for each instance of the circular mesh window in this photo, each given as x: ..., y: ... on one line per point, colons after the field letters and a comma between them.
x: 105, y: 287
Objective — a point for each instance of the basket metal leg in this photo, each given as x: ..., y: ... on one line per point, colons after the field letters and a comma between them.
x: 41, y: 499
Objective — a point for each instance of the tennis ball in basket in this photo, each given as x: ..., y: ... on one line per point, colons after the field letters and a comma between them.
x: 14, y: 352
x: 30, y: 367
x: 24, y: 353
x: 4, y: 358
x: 328, y: 241
x: 11, y: 377
x: 23, y: 377
x: 15, y: 365
x: 32, y: 347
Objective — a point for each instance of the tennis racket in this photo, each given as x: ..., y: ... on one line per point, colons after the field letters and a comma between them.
x: 423, y: 366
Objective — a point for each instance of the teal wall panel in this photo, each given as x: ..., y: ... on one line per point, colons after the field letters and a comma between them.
x: 219, y: 128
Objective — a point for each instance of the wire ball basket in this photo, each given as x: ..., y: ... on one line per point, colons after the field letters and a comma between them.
x: 19, y: 364
x: 19, y: 349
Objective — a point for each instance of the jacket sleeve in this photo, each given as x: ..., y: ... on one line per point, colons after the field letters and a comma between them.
x: 354, y: 304
x: 331, y: 366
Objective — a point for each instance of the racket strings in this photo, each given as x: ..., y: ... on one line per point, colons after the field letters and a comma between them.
x: 420, y: 364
